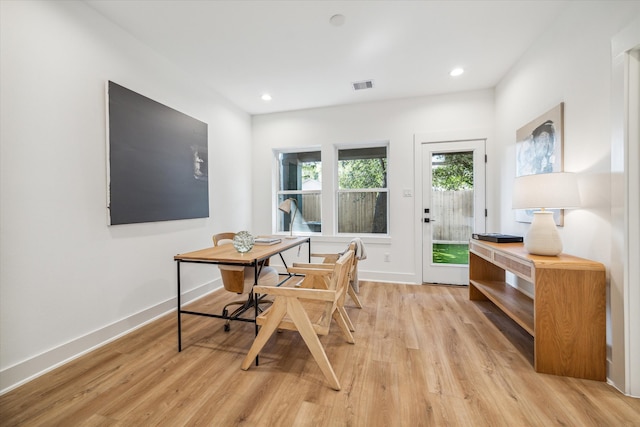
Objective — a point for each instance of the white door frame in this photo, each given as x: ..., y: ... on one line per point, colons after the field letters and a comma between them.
x: 453, y: 274
x: 623, y: 371
x: 418, y: 140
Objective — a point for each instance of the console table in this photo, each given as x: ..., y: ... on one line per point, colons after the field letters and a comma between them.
x: 566, y: 317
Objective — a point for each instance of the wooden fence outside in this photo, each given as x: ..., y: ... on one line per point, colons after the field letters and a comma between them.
x: 311, y: 207
x: 356, y: 212
x: 452, y: 213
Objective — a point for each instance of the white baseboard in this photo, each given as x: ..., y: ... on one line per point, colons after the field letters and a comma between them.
x: 389, y: 277
x: 25, y: 371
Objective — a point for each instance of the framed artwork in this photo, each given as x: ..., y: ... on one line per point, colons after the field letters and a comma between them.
x: 539, y: 150
x: 157, y: 162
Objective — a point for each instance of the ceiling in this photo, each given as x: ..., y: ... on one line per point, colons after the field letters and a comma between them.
x: 291, y: 50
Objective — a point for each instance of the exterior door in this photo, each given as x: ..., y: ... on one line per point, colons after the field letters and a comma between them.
x: 453, y: 200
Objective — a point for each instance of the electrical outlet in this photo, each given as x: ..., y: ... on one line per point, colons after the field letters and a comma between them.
x: 387, y: 257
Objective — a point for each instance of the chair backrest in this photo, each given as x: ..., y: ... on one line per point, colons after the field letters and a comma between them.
x: 339, y: 282
x: 343, y: 273
x: 331, y: 258
x: 223, y: 238
x: 350, y: 261
x: 232, y: 276
x: 354, y: 263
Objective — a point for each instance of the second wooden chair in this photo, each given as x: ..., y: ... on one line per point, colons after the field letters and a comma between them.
x: 308, y: 309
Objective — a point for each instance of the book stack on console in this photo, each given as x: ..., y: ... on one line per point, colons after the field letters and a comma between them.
x: 267, y: 240
x: 497, y: 237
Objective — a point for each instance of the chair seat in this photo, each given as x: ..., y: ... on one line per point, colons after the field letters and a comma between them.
x: 316, y: 310
x: 268, y: 276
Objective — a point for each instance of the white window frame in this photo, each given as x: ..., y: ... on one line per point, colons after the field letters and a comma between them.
x: 339, y: 191
x: 278, y: 192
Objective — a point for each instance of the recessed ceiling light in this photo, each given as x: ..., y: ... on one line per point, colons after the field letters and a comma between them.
x: 456, y: 72
x: 266, y: 97
x: 337, y: 20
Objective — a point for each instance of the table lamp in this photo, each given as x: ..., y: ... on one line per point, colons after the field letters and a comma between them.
x: 285, y: 207
x: 558, y: 190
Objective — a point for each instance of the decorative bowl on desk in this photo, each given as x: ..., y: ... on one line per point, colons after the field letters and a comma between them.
x: 243, y: 241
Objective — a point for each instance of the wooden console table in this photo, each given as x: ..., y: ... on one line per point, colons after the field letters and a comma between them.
x: 566, y: 317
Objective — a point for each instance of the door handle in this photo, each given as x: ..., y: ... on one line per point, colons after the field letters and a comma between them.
x: 429, y: 220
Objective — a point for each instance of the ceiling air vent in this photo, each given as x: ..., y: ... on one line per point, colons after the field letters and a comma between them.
x: 366, y: 84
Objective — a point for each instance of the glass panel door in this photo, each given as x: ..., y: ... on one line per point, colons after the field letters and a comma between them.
x: 453, y: 208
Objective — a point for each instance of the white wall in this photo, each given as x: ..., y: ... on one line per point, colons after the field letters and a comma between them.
x: 394, y: 121
x: 68, y: 281
x: 571, y: 64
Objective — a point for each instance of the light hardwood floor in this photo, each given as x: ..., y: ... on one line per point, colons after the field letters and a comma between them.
x: 424, y: 356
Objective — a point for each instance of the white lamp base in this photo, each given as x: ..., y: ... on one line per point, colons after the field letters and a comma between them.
x: 543, y: 237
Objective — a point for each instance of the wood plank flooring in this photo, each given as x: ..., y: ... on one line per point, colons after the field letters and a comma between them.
x: 424, y: 356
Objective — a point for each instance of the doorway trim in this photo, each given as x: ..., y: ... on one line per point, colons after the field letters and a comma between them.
x: 420, y: 138
x: 624, y: 288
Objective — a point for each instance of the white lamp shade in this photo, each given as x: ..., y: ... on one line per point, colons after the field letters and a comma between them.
x: 558, y: 190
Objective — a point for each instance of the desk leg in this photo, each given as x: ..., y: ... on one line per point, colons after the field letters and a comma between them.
x: 256, y: 301
x: 179, y: 309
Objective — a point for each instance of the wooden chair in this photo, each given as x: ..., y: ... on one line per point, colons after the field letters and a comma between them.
x: 331, y: 259
x: 328, y: 264
x: 240, y: 280
x: 307, y: 309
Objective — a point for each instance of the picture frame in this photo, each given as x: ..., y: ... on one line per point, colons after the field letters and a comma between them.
x: 539, y: 149
x: 157, y: 160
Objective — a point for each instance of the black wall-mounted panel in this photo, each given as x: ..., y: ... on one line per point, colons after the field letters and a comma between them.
x: 158, y: 161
